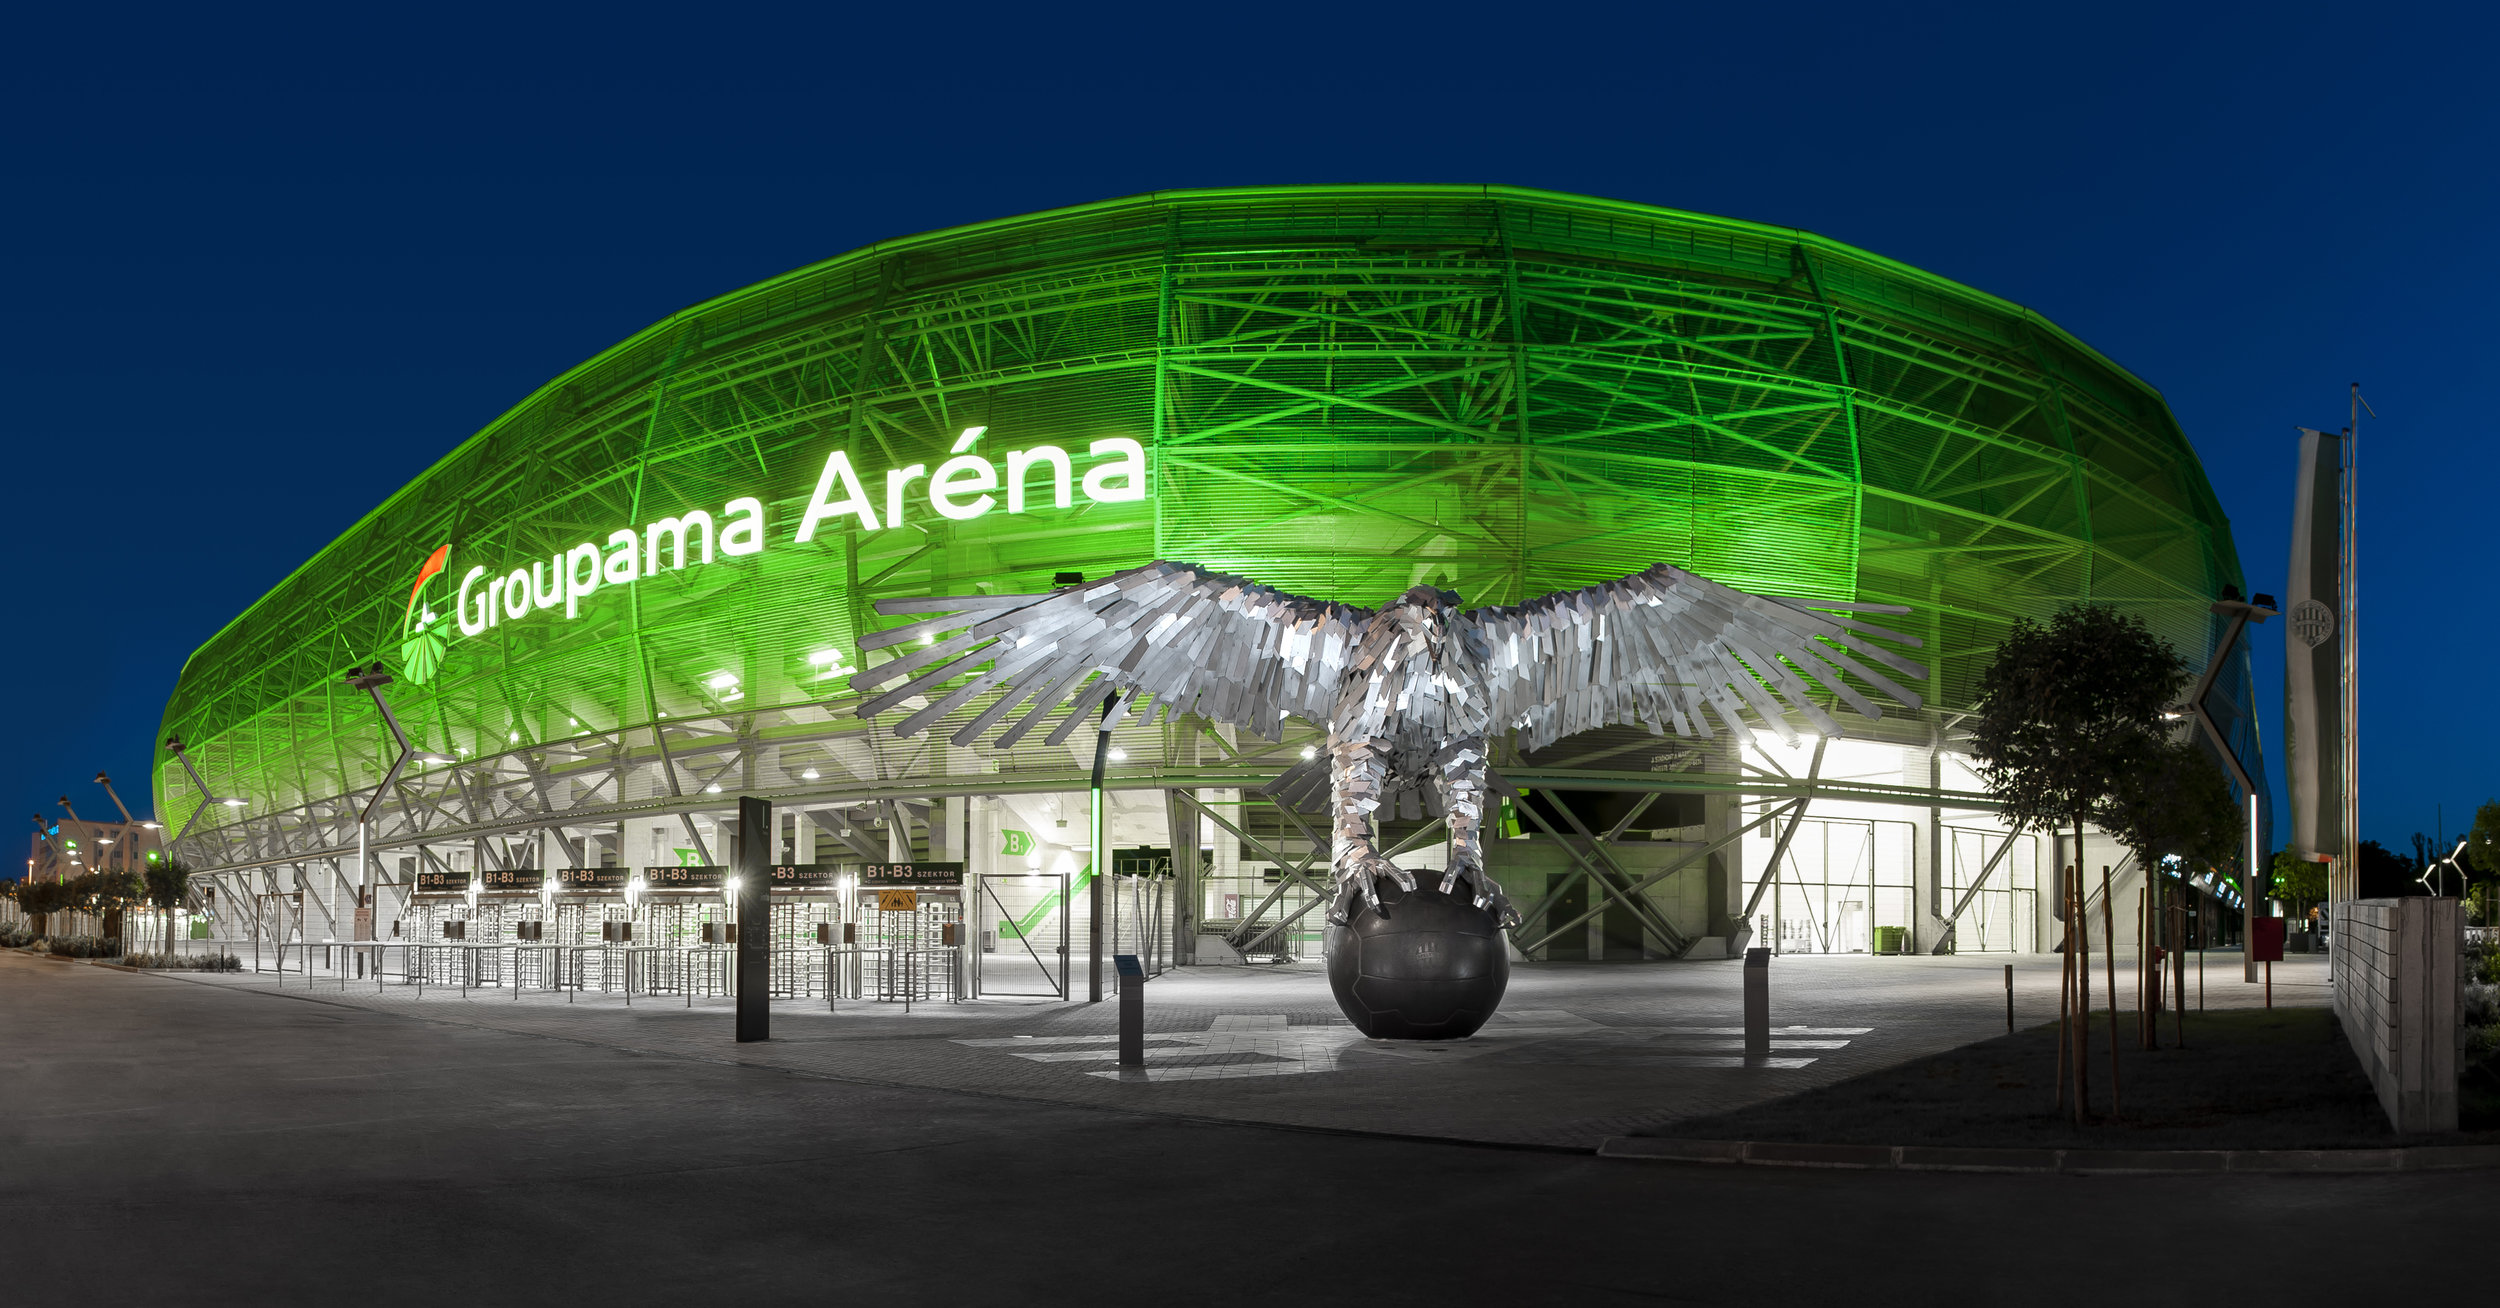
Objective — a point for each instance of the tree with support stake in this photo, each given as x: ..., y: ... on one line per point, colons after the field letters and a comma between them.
x: 2169, y: 800
x: 2064, y: 707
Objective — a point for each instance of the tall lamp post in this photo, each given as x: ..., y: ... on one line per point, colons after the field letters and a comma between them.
x: 2241, y: 613
x: 371, y: 680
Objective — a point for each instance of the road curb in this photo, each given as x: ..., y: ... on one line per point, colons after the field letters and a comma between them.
x: 2064, y: 1162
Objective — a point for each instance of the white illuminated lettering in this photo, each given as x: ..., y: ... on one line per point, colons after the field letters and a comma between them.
x: 965, y: 474
x: 516, y: 594
x: 743, y: 533
x: 485, y: 616
x: 626, y: 552
x: 895, y: 481
x: 547, y: 591
x: 675, y: 530
x: 836, y: 476
x: 581, y: 576
x: 1131, y: 469
x: 1019, y: 461
x: 965, y: 486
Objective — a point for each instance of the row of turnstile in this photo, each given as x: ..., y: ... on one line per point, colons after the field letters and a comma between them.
x: 679, y: 945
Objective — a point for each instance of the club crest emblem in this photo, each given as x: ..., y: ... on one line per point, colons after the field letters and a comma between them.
x: 2312, y: 622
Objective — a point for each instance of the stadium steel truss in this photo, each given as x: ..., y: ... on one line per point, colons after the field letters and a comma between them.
x: 1341, y: 391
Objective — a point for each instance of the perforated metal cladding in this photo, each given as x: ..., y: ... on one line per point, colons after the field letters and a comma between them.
x: 1345, y: 391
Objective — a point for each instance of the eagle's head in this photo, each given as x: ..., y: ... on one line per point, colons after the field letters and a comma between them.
x: 1430, y: 597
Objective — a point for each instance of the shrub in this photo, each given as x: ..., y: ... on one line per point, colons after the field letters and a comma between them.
x: 218, y: 962
x: 17, y: 937
x: 86, y: 947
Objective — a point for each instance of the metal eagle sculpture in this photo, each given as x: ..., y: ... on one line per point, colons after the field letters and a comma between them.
x: 1409, y: 693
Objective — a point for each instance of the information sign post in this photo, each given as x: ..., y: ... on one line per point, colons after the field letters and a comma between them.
x: 755, y: 916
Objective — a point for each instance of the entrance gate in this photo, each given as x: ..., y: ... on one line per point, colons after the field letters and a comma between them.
x: 1015, y: 948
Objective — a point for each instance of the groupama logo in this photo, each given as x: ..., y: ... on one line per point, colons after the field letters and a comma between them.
x: 421, y: 643
x: 964, y: 486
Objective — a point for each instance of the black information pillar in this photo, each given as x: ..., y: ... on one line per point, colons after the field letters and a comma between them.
x: 754, y: 859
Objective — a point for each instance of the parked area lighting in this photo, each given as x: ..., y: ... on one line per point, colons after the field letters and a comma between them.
x: 808, y: 775
x: 234, y: 803
x: 1309, y: 752
x: 712, y: 789
x: 1118, y: 755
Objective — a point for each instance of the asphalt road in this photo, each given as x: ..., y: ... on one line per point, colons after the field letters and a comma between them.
x: 187, y: 1144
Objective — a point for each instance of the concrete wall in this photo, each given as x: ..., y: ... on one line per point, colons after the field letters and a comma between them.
x: 2396, y: 992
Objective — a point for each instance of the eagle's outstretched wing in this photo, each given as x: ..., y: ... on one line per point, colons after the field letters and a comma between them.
x: 1185, y: 639
x: 1662, y: 644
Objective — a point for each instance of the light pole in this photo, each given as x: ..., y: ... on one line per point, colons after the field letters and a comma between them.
x: 2241, y: 613
x: 371, y: 680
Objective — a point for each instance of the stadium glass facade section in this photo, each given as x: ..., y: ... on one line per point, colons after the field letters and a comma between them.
x: 1337, y: 391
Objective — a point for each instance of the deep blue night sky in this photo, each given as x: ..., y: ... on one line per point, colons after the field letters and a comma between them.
x: 262, y: 271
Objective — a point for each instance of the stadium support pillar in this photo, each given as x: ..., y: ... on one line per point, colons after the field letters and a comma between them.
x: 1181, y: 827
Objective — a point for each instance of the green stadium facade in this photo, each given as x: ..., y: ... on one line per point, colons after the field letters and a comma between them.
x: 638, y: 594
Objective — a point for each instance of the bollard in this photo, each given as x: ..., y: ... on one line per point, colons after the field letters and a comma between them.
x: 2009, y: 999
x: 1757, y: 1003
x: 753, y: 960
x: 1132, y: 1010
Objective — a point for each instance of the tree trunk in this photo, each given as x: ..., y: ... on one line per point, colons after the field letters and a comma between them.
x: 2081, y: 937
x: 2065, y: 986
x: 2109, y: 959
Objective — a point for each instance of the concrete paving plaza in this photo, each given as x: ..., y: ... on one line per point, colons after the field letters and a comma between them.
x: 1577, y: 1053
x: 200, y: 1144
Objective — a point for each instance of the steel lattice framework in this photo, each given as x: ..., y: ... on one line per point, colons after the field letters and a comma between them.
x: 1341, y: 391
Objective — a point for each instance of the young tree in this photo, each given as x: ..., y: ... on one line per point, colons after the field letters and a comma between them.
x: 2064, y: 708
x: 168, y: 879
x: 2296, y: 881
x: 2171, y: 799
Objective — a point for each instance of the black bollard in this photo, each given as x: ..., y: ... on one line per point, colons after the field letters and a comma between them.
x: 1132, y: 1010
x: 1757, y: 1003
x: 754, y: 858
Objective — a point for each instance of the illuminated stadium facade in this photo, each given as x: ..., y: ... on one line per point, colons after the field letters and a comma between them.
x: 639, y: 594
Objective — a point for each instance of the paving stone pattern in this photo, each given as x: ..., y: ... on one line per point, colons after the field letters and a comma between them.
x: 1578, y: 1053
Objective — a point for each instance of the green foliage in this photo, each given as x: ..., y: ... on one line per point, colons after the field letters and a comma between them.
x: 17, y: 937
x: 2170, y: 798
x: 217, y: 962
x: 2296, y: 881
x: 2482, y: 844
x: 2068, y: 705
x: 36, y: 898
x: 167, y: 881
x: 85, y: 947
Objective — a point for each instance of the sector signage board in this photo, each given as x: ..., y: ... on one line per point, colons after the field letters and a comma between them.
x: 713, y: 877
x: 603, y: 879
x: 911, y: 874
x: 432, y: 882
x: 803, y: 876
x: 509, y: 880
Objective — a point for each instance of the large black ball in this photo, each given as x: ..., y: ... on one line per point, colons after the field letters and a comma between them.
x: 1429, y: 966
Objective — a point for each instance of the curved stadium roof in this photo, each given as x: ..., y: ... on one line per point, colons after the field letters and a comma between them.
x: 1340, y: 391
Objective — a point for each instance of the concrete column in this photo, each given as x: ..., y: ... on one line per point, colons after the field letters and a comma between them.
x: 1724, y: 875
